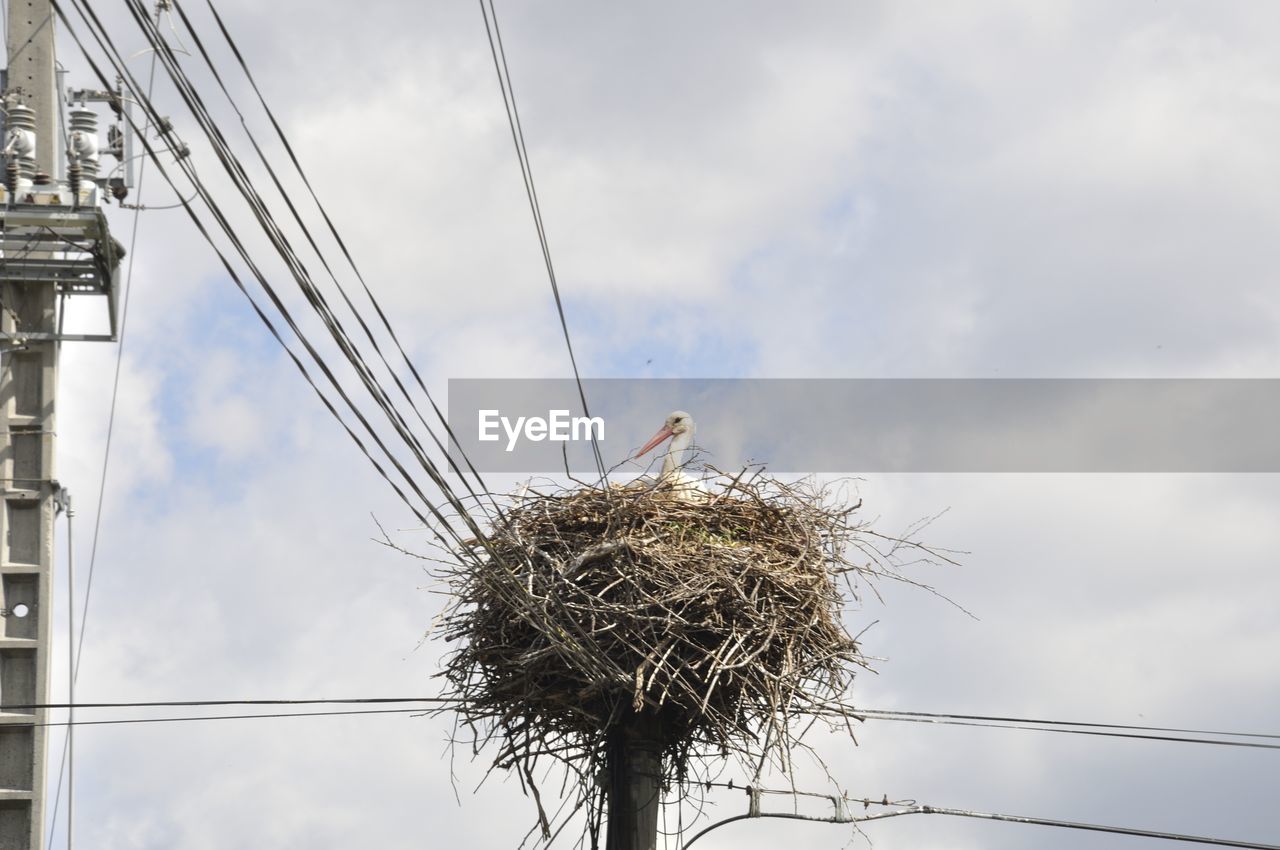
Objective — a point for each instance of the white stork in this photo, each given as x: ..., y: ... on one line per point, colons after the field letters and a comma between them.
x: 679, y: 430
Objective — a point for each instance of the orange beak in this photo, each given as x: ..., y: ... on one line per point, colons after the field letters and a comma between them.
x: 664, y: 433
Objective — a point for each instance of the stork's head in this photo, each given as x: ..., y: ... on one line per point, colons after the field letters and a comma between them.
x: 679, y: 425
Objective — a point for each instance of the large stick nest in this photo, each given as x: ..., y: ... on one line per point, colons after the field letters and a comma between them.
x: 717, y: 618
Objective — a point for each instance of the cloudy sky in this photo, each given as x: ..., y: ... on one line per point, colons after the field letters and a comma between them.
x: 985, y: 189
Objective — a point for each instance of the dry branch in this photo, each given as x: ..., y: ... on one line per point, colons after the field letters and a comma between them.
x: 716, y: 620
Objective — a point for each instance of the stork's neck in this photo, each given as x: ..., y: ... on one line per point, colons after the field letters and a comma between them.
x: 674, y: 458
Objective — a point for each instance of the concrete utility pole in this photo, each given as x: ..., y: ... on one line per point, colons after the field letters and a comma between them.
x: 634, y: 761
x: 54, y: 243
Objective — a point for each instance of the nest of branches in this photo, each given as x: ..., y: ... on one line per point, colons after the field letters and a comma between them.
x: 715, y: 620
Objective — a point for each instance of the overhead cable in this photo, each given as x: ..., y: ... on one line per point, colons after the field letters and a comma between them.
x: 333, y: 230
x: 239, y: 177
x: 1205, y: 736
x: 441, y: 524
x: 116, y: 62
x: 843, y: 817
x: 526, y: 172
x: 351, y: 307
x: 131, y: 721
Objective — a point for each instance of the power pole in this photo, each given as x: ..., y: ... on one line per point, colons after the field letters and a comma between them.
x: 54, y: 243
x: 634, y: 765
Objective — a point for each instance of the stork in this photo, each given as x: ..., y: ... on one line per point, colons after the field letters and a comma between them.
x: 679, y: 430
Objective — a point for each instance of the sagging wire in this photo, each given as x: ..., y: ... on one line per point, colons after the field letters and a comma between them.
x: 315, y: 298
x: 106, y: 44
x: 368, y: 333
x: 333, y: 230
x: 841, y: 814
x: 526, y: 172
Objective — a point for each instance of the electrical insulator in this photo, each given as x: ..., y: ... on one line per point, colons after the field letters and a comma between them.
x: 20, y: 140
x: 73, y: 182
x: 83, y: 139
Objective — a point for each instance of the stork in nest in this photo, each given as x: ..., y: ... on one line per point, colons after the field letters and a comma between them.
x: 679, y: 429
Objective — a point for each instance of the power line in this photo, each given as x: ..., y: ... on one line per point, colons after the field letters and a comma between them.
x: 238, y: 176
x: 839, y: 817
x: 857, y: 714
x: 526, y: 172
x: 149, y: 108
x: 1173, y: 739
x: 1061, y: 727
x: 1093, y: 827
x: 966, y: 813
x: 195, y: 718
x: 231, y: 43
x: 440, y: 703
x: 998, y: 718
x: 199, y: 43
x: 445, y: 701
